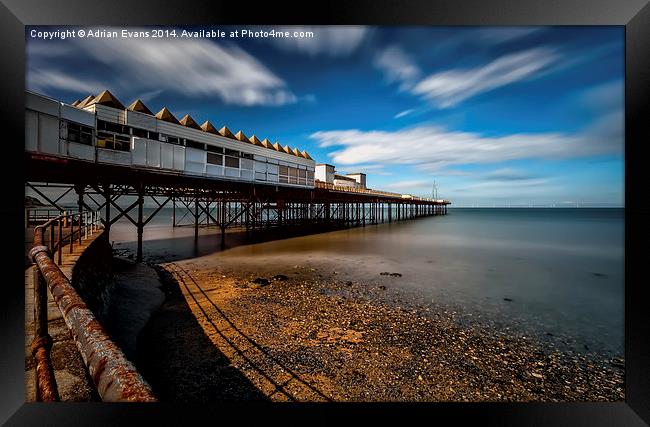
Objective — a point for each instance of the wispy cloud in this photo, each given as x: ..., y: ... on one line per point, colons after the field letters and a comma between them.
x: 434, y: 148
x: 40, y: 78
x: 397, y: 66
x: 448, y: 88
x: 509, y: 174
x: 403, y: 113
x: 327, y: 41
x: 192, y: 67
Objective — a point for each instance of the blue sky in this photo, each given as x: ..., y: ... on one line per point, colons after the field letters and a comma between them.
x: 493, y: 115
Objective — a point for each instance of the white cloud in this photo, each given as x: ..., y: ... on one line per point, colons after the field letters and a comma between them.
x: 192, y: 67
x: 448, y: 88
x: 333, y: 41
x: 403, y: 113
x: 433, y: 148
x: 40, y: 79
x: 408, y: 184
x: 398, y: 66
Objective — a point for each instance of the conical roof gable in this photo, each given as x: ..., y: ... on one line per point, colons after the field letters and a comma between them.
x: 138, y: 106
x: 209, y: 128
x: 84, y: 102
x: 108, y: 99
x: 189, y: 122
x: 224, y: 131
x: 167, y: 116
x: 241, y: 137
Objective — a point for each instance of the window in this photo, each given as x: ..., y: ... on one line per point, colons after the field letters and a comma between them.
x: 293, y: 172
x: 113, y: 141
x: 141, y: 133
x: 232, y: 162
x: 214, y: 149
x: 173, y: 140
x: 112, y: 127
x: 153, y: 135
x: 284, y: 170
x: 193, y: 144
x: 247, y: 155
x: 215, y: 159
x: 302, y: 173
x: 233, y: 153
x: 79, y: 133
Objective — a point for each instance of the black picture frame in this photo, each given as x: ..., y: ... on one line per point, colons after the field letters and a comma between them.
x: 633, y: 14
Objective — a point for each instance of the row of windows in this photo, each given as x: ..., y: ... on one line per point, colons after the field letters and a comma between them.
x: 142, y: 133
x: 79, y: 133
x: 287, y: 171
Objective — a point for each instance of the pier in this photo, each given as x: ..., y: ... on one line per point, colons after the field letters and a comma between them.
x: 213, y: 202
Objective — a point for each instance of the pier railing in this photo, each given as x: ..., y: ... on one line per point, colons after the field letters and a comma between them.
x: 371, y: 192
x: 115, y: 378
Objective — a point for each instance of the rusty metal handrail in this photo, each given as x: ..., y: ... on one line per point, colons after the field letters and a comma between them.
x: 114, y: 376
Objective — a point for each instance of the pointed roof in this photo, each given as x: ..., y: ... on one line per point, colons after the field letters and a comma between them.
x: 241, y: 137
x: 75, y: 103
x: 306, y: 155
x: 286, y: 149
x: 209, y: 128
x: 296, y: 152
x: 108, y: 99
x: 189, y: 122
x: 167, y: 116
x: 255, y: 140
x: 224, y: 131
x: 84, y: 102
x: 139, y: 107
x: 266, y: 143
x: 277, y: 146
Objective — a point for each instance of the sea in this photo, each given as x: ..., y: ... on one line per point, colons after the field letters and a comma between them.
x: 558, y: 272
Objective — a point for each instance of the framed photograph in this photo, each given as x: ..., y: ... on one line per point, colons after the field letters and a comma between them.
x: 430, y: 209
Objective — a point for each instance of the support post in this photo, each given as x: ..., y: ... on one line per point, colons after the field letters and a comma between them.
x: 140, y: 224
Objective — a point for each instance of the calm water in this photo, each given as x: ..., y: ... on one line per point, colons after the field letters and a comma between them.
x: 562, y: 269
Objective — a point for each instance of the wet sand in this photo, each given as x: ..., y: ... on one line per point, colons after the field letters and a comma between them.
x: 307, y: 333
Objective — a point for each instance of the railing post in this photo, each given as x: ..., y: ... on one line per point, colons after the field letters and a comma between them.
x: 60, y: 239
x: 71, y: 233
x: 51, y: 239
x: 46, y: 389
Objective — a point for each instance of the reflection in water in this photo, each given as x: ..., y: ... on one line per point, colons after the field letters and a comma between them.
x: 560, y: 270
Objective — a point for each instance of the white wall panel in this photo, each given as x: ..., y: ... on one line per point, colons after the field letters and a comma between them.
x: 113, y: 156
x: 139, y: 151
x: 48, y: 134
x: 81, y: 151
x: 232, y: 172
x: 166, y: 156
x: 179, y: 158
x: 42, y: 104
x: 31, y: 130
x: 141, y: 120
x: 194, y: 155
x: 246, y: 164
x: 214, y: 170
x: 78, y: 116
x: 194, y: 168
x: 153, y: 153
